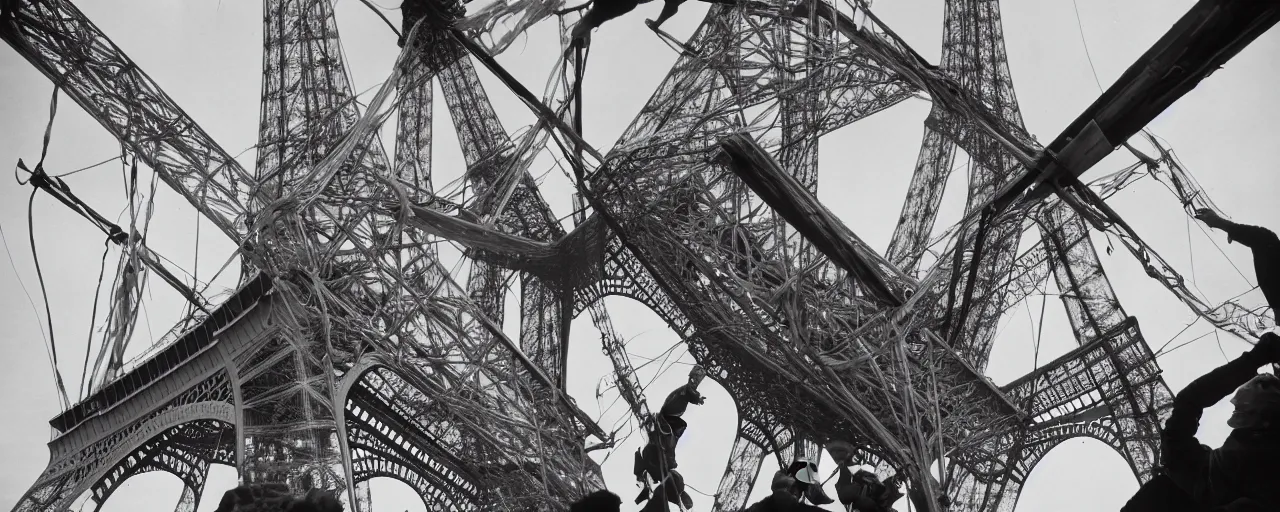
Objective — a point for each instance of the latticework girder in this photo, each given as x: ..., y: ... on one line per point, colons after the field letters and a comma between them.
x: 654, y: 155
x: 185, y: 451
x: 354, y: 287
x: 1109, y: 389
x: 328, y: 219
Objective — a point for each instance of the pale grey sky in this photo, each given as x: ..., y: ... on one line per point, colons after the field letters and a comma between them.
x: 207, y: 55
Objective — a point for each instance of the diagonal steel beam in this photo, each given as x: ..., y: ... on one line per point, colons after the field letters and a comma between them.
x: 57, y: 38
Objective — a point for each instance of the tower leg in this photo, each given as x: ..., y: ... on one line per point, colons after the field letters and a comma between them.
x: 740, y: 475
x: 189, y: 500
x: 364, y: 498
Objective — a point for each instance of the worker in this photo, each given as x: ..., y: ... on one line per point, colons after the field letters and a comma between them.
x: 276, y: 496
x: 785, y: 497
x: 657, y: 460
x: 670, y: 418
x: 1243, y: 472
x: 862, y: 491
x: 599, y: 501
x: 807, y: 481
x: 1266, y: 252
x: 1161, y: 492
x: 670, y: 489
x: 600, y: 12
x: 653, y: 464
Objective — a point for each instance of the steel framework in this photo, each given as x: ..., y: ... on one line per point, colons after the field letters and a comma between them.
x: 350, y: 353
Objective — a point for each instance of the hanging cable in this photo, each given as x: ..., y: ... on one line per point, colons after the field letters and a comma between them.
x: 195, y: 266
x: 48, y: 312
x: 1085, y: 43
x: 375, y: 10
x: 1162, y: 353
x: 82, y: 169
x: 39, y: 171
x: 93, y: 319
x: 30, y: 300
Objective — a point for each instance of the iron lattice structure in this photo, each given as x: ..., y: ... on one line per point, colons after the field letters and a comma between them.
x: 350, y: 353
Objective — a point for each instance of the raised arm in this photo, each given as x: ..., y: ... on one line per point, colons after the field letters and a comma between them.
x: 1266, y: 252
x: 1251, y: 236
x: 1185, y: 459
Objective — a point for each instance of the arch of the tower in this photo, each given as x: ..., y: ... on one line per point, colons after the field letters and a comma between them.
x: 1108, y: 390
x: 185, y: 450
x: 379, y: 482
x: 1042, y: 442
x: 997, y: 488
x: 191, y: 427
x: 1056, y: 478
x: 625, y: 276
x: 389, y: 433
x: 182, y: 440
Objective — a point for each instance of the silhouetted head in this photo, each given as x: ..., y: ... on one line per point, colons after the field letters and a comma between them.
x: 696, y: 375
x: 1257, y: 403
x: 841, y: 452
x: 316, y: 501
x: 599, y: 501
x: 781, y: 481
x: 276, y: 497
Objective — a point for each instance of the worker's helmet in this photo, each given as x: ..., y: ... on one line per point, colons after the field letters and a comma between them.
x: 805, y: 471
x: 1257, y: 403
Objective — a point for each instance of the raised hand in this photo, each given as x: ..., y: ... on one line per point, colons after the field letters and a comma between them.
x: 1209, y: 217
x: 1269, y: 347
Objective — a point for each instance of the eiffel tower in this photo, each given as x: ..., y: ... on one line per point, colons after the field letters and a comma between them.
x: 349, y: 353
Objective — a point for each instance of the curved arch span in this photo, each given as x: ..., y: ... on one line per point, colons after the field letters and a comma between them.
x: 990, y: 487
x: 1054, y: 436
x: 1093, y: 467
x: 57, y: 490
x: 151, y: 490
x: 593, y: 296
x: 406, y: 480
x: 383, y: 439
x: 192, y: 491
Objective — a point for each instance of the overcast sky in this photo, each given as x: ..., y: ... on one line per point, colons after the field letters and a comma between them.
x: 207, y: 55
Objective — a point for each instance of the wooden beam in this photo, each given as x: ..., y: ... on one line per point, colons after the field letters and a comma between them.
x: 1201, y: 42
x: 809, y: 217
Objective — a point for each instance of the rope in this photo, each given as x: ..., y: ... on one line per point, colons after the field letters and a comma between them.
x: 1035, y: 360
x: 44, y: 292
x: 1193, y: 340
x: 674, y: 43
x: 93, y: 319
x: 195, y: 266
x: 18, y: 277
x: 1224, y: 255
x: 39, y: 171
x: 99, y: 164
x: 383, y: 16
x: 1080, y: 27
